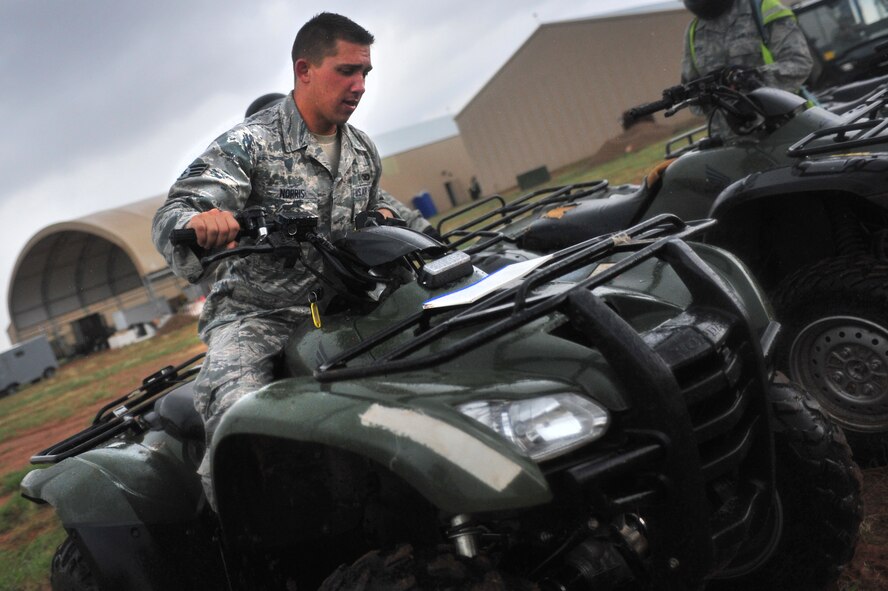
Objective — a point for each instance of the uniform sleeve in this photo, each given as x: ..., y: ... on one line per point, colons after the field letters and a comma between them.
x: 378, y: 197
x: 688, y: 71
x: 218, y: 178
x: 792, y: 58
x: 413, y: 217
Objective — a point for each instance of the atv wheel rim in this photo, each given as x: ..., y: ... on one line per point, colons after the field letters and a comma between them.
x: 843, y: 362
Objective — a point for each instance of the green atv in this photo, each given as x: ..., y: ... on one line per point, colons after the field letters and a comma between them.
x: 603, y: 417
x: 801, y: 196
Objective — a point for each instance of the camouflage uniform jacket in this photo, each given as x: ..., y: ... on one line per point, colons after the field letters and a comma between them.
x: 272, y: 160
x: 733, y: 39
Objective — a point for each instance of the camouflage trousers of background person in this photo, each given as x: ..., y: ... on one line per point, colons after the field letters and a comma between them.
x: 240, y: 359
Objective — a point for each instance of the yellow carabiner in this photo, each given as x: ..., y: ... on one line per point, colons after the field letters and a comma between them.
x: 315, y: 312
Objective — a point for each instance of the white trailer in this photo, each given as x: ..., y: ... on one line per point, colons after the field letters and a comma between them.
x: 25, y: 363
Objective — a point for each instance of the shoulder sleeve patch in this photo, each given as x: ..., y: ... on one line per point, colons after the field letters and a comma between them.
x: 193, y: 170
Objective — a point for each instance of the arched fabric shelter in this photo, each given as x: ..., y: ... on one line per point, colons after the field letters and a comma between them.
x: 72, y: 276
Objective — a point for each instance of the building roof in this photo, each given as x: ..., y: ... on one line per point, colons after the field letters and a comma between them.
x: 126, y: 226
x: 71, y: 265
x: 415, y: 136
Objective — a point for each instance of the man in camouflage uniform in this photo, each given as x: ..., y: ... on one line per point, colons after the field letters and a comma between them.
x: 299, y: 154
x: 412, y: 217
x: 760, y: 34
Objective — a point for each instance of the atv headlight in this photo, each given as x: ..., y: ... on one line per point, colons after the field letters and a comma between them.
x: 544, y: 427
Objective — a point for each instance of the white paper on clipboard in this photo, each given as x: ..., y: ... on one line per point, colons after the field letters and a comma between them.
x: 488, y: 285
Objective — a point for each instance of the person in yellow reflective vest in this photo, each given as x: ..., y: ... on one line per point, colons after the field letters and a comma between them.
x: 760, y: 34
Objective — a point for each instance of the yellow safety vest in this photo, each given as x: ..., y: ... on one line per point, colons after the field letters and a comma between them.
x: 765, y: 13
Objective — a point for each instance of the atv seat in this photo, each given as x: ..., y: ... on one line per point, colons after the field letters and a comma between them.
x: 178, y: 416
x: 567, y: 225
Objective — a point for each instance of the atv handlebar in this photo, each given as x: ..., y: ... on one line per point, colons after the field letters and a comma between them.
x: 720, y: 89
x: 253, y: 224
x: 283, y: 236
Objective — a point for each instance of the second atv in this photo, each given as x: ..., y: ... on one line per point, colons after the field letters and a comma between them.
x: 801, y: 195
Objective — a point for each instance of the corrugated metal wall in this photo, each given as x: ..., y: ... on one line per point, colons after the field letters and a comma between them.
x: 561, y: 95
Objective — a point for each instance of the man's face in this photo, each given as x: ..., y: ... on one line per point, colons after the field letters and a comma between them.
x: 328, y: 93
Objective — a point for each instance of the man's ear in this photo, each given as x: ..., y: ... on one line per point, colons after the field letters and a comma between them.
x: 302, y: 70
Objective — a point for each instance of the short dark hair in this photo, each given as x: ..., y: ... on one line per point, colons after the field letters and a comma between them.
x: 317, y: 38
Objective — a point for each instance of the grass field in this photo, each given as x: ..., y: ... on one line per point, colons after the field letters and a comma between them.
x: 44, y: 413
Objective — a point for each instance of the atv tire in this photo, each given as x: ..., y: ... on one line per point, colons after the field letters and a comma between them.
x: 406, y: 570
x: 835, y: 318
x: 69, y: 570
x: 819, y: 487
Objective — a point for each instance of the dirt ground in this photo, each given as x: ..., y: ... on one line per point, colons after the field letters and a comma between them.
x: 17, y: 452
x: 869, y: 569
x: 643, y: 133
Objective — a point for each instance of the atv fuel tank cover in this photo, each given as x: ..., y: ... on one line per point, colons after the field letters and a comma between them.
x: 774, y: 102
x: 458, y: 447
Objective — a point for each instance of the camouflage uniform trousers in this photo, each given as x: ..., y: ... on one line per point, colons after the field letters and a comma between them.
x: 240, y: 359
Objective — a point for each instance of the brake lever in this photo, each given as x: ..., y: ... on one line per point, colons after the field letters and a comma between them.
x: 236, y: 251
x: 678, y: 107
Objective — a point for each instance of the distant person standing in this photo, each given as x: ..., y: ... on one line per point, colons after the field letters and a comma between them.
x: 475, y: 188
x: 759, y: 34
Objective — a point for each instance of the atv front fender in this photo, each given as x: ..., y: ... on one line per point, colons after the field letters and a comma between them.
x: 862, y: 175
x: 124, y: 482
x: 454, y: 462
x: 133, y: 510
x: 742, y: 284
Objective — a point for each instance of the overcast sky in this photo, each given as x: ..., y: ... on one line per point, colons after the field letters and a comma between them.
x: 104, y: 102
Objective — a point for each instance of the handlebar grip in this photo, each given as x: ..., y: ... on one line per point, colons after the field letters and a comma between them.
x: 183, y: 236
x: 640, y: 111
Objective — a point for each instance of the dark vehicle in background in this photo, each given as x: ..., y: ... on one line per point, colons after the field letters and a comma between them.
x: 845, y: 38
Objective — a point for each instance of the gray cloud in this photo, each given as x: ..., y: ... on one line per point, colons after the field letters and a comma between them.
x: 90, y: 77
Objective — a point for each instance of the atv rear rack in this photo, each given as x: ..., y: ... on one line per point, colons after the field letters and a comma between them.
x: 504, y: 311
x: 507, y: 213
x: 120, y: 414
x: 864, y: 125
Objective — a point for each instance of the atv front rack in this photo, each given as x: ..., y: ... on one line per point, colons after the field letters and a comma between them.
x: 508, y: 213
x: 504, y: 311
x: 864, y: 125
x: 121, y: 414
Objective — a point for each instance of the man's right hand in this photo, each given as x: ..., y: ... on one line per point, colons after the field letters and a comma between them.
x: 215, y: 229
